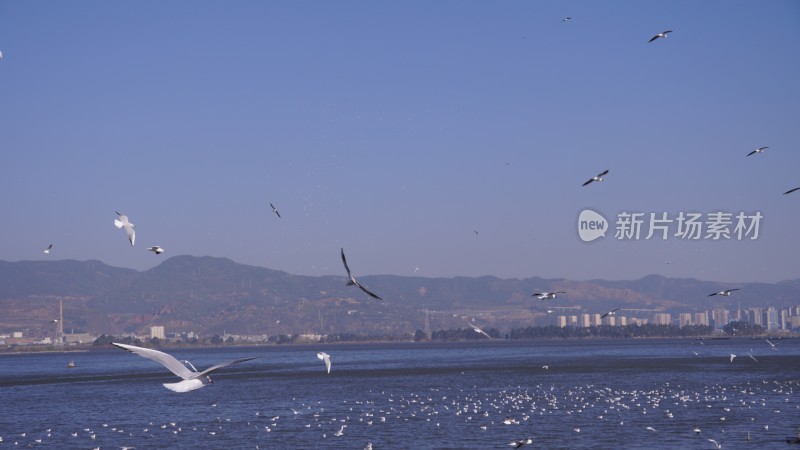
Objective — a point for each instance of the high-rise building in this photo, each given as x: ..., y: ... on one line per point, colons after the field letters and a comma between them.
x: 157, y: 331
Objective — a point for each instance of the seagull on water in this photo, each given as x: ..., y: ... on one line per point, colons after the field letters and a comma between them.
x: 191, y: 379
x: 327, y: 358
x: 599, y: 177
x: 758, y: 150
x: 275, y: 210
x: 156, y: 249
x: 725, y: 293
x: 47, y: 250
x: 696, y: 429
x: 663, y: 35
x: 791, y: 190
x: 122, y: 222
x: 610, y: 313
x: 353, y: 282
x: 521, y: 442
x: 478, y: 330
x: 547, y: 295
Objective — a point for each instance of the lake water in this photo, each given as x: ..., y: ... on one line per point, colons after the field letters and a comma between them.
x: 598, y: 394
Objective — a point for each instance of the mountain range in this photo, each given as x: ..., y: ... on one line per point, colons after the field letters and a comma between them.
x: 211, y: 295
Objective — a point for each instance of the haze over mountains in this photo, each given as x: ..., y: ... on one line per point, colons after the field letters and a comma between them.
x: 210, y: 295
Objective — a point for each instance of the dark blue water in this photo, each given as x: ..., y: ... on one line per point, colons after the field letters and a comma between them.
x: 594, y: 394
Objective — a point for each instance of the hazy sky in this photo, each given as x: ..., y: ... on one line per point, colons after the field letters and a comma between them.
x: 398, y: 129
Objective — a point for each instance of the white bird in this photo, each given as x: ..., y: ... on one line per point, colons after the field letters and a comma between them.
x: 650, y: 428
x: 275, y: 210
x: 774, y: 347
x: 725, y: 293
x: 353, y: 282
x: 610, y: 313
x: 191, y: 379
x: 327, y: 358
x: 156, y: 249
x: 47, y: 250
x: 122, y: 222
x: 341, y: 431
x: 758, y: 150
x: 521, y: 442
x: 716, y: 444
x: 696, y: 430
x: 599, y: 177
x: 478, y: 330
x: 662, y: 35
x: 750, y: 354
x: 732, y: 357
x: 547, y: 295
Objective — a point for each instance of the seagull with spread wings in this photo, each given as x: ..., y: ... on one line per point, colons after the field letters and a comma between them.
x: 123, y: 222
x: 353, y: 282
x: 725, y: 293
x: 192, y: 379
x: 478, y: 330
x: 662, y: 35
x: 599, y: 177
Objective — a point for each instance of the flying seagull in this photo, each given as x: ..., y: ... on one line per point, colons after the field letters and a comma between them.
x: 353, y: 282
x: 156, y: 249
x: 47, y: 250
x: 192, y: 379
x: 725, y: 293
x: 122, y: 222
x: 733, y: 357
x: 521, y: 442
x: 275, y: 210
x: 547, y: 295
x: 327, y: 358
x: 610, y: 313
x: 774, y: 348
x: 791, y: 190
x: 758, y: 150
x: 599, y: 177
x: 716, y: 444
x: 566, y: 19
x: 663, y: 34
x: 478, y: 330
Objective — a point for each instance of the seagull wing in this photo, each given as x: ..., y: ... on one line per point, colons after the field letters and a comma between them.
x: 791, y: 190
x: 603, y: 174
x: 654, y: 38
x: 752, y: 153
x: 162, y: 358
x: 588, y: 182
x: 344, y: 261
x: 371, y: 294
x: 221, y: 365
x: 711, y: 295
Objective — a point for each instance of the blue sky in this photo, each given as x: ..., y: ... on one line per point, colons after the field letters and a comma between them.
x: 396, y: 130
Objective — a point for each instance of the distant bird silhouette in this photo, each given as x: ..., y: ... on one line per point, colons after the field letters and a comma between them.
x: 47, y: 250
x: 662, y: 35
x: 275, y: 210
x: 791, y: 190
x: 610, y: 313
x: 758, y: 150
x: 353, y: 282
x: 546, y: 295
x: 725, y: 293
x: 156, y: 249
x: 599, y: 177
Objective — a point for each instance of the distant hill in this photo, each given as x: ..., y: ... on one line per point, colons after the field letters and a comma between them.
x: 214, y: 295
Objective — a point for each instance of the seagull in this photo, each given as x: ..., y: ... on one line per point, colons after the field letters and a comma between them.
x: 122, y: 222
x: 725, y: 293
x: 566, y: 19
x: 275, y: 210
x: 47, y: 250
x: 156, y: 249
x: 650, y: 428
x: 791, y: 190
x: 191, y: 379
x: 610, y: 313
x: 521, y: 442
x: 327, y: 358
x: 353, y: 282
x: 478, y: 330
x: 774, y: 347
x: 716, y: 444
x: 696, y: 429
x: 732, y: 357
x: 758, y: 150
x: 599, y: 177
x: 54, y: 321
x: 547, y: 295
x: 750, y: 354
x: 663, y: 34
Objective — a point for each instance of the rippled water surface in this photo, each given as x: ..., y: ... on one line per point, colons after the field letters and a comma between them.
x: 602, y: 394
